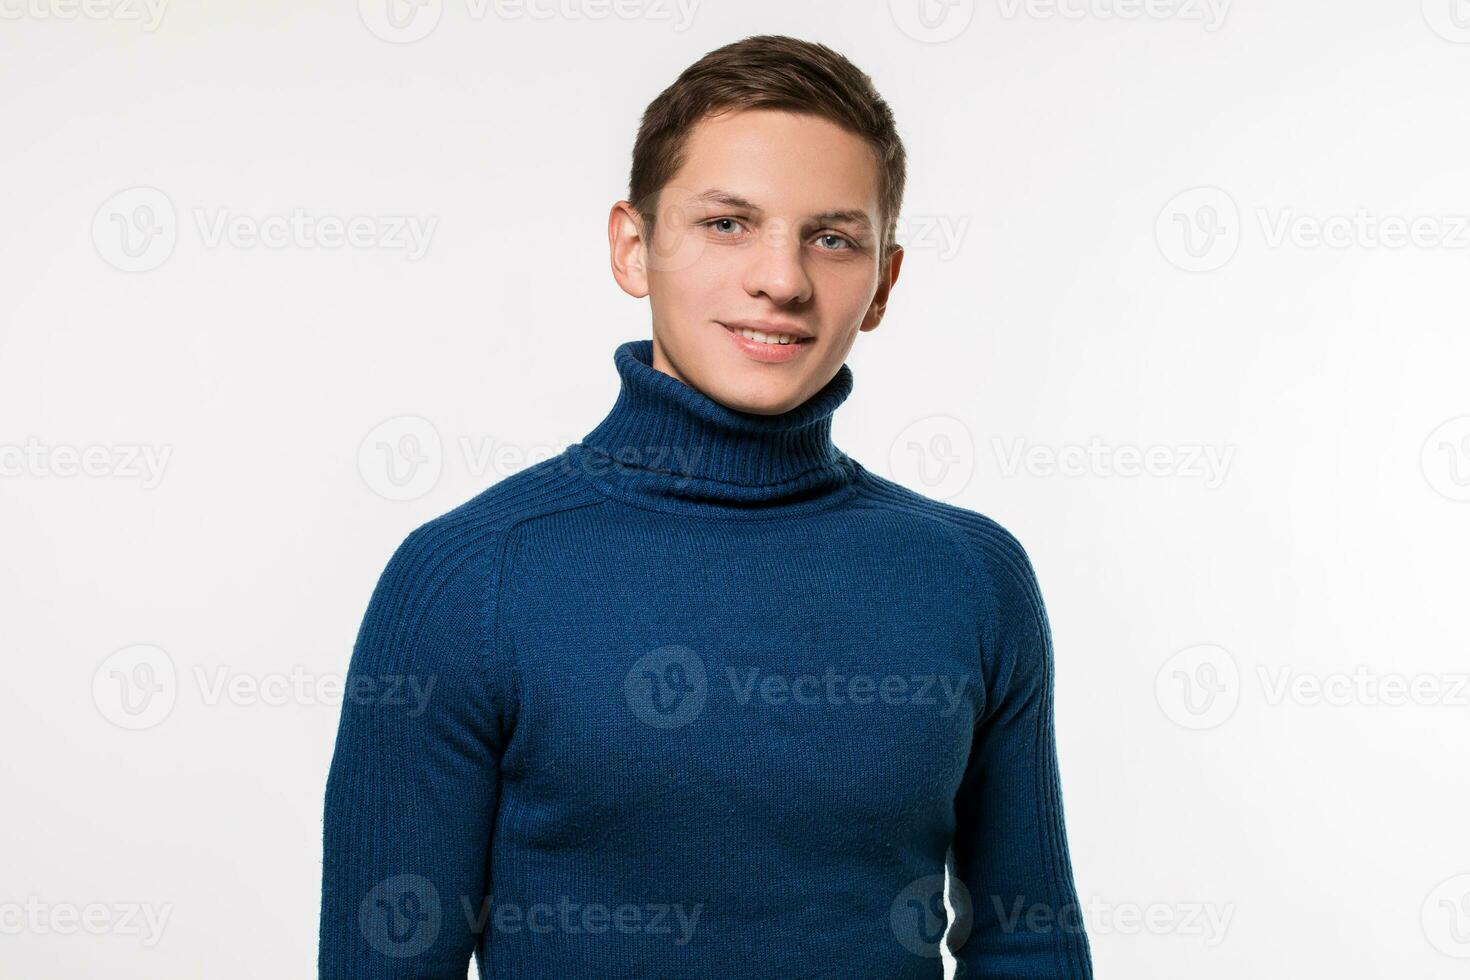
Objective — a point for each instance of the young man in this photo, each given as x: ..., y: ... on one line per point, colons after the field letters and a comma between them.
x: 710, y: 699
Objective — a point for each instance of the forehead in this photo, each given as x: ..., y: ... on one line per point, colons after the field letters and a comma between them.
x: 780, y: 161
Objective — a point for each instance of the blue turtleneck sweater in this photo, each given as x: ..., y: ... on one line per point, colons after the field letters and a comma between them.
x: 700, y: 697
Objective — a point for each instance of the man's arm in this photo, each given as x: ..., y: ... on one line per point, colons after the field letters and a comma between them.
x: 1010, y: 848
x: 411, y: 794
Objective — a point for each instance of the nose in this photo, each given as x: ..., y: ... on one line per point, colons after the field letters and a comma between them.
x: 776, y: 268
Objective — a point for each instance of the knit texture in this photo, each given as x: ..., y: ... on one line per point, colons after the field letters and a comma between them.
x: 701, y: 696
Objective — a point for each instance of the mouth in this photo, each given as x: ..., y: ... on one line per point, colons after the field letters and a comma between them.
x: 771, y: 335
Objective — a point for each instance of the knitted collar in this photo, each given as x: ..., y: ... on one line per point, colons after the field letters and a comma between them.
x: 669, y: 445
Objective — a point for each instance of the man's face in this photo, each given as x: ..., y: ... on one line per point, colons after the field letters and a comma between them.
x: 773, y: 220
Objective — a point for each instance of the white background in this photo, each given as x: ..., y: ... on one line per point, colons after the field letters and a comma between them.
x: 1221, y: 825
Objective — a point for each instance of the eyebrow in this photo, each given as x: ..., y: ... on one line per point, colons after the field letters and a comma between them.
x: 840, y: 216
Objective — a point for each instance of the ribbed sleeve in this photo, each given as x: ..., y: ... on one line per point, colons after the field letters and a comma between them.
x: 412, y: 789
x: 1010, y: 846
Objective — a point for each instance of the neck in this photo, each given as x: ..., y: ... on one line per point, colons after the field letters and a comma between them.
x: 669, y: 445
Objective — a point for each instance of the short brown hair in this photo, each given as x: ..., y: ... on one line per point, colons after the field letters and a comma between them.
x: 767, y: 71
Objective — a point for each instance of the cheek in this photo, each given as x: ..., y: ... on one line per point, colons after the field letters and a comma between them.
x: 710, y: 273
x: 846, y: 286
x: 681, y: 298
x: 682, y: 253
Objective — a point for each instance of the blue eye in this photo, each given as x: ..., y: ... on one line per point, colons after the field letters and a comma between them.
x: 716, y: 221
x: 839, y: 238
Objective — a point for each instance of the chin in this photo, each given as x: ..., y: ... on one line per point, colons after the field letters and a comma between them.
x: 749, y: 389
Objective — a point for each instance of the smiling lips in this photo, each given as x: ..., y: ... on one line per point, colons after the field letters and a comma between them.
x: 768, y: 342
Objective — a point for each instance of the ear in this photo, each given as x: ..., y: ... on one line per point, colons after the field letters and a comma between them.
x: 887, y: 277
x: 627, y: 249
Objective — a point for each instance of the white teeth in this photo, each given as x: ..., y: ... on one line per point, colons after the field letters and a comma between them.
x: 761, y: 337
